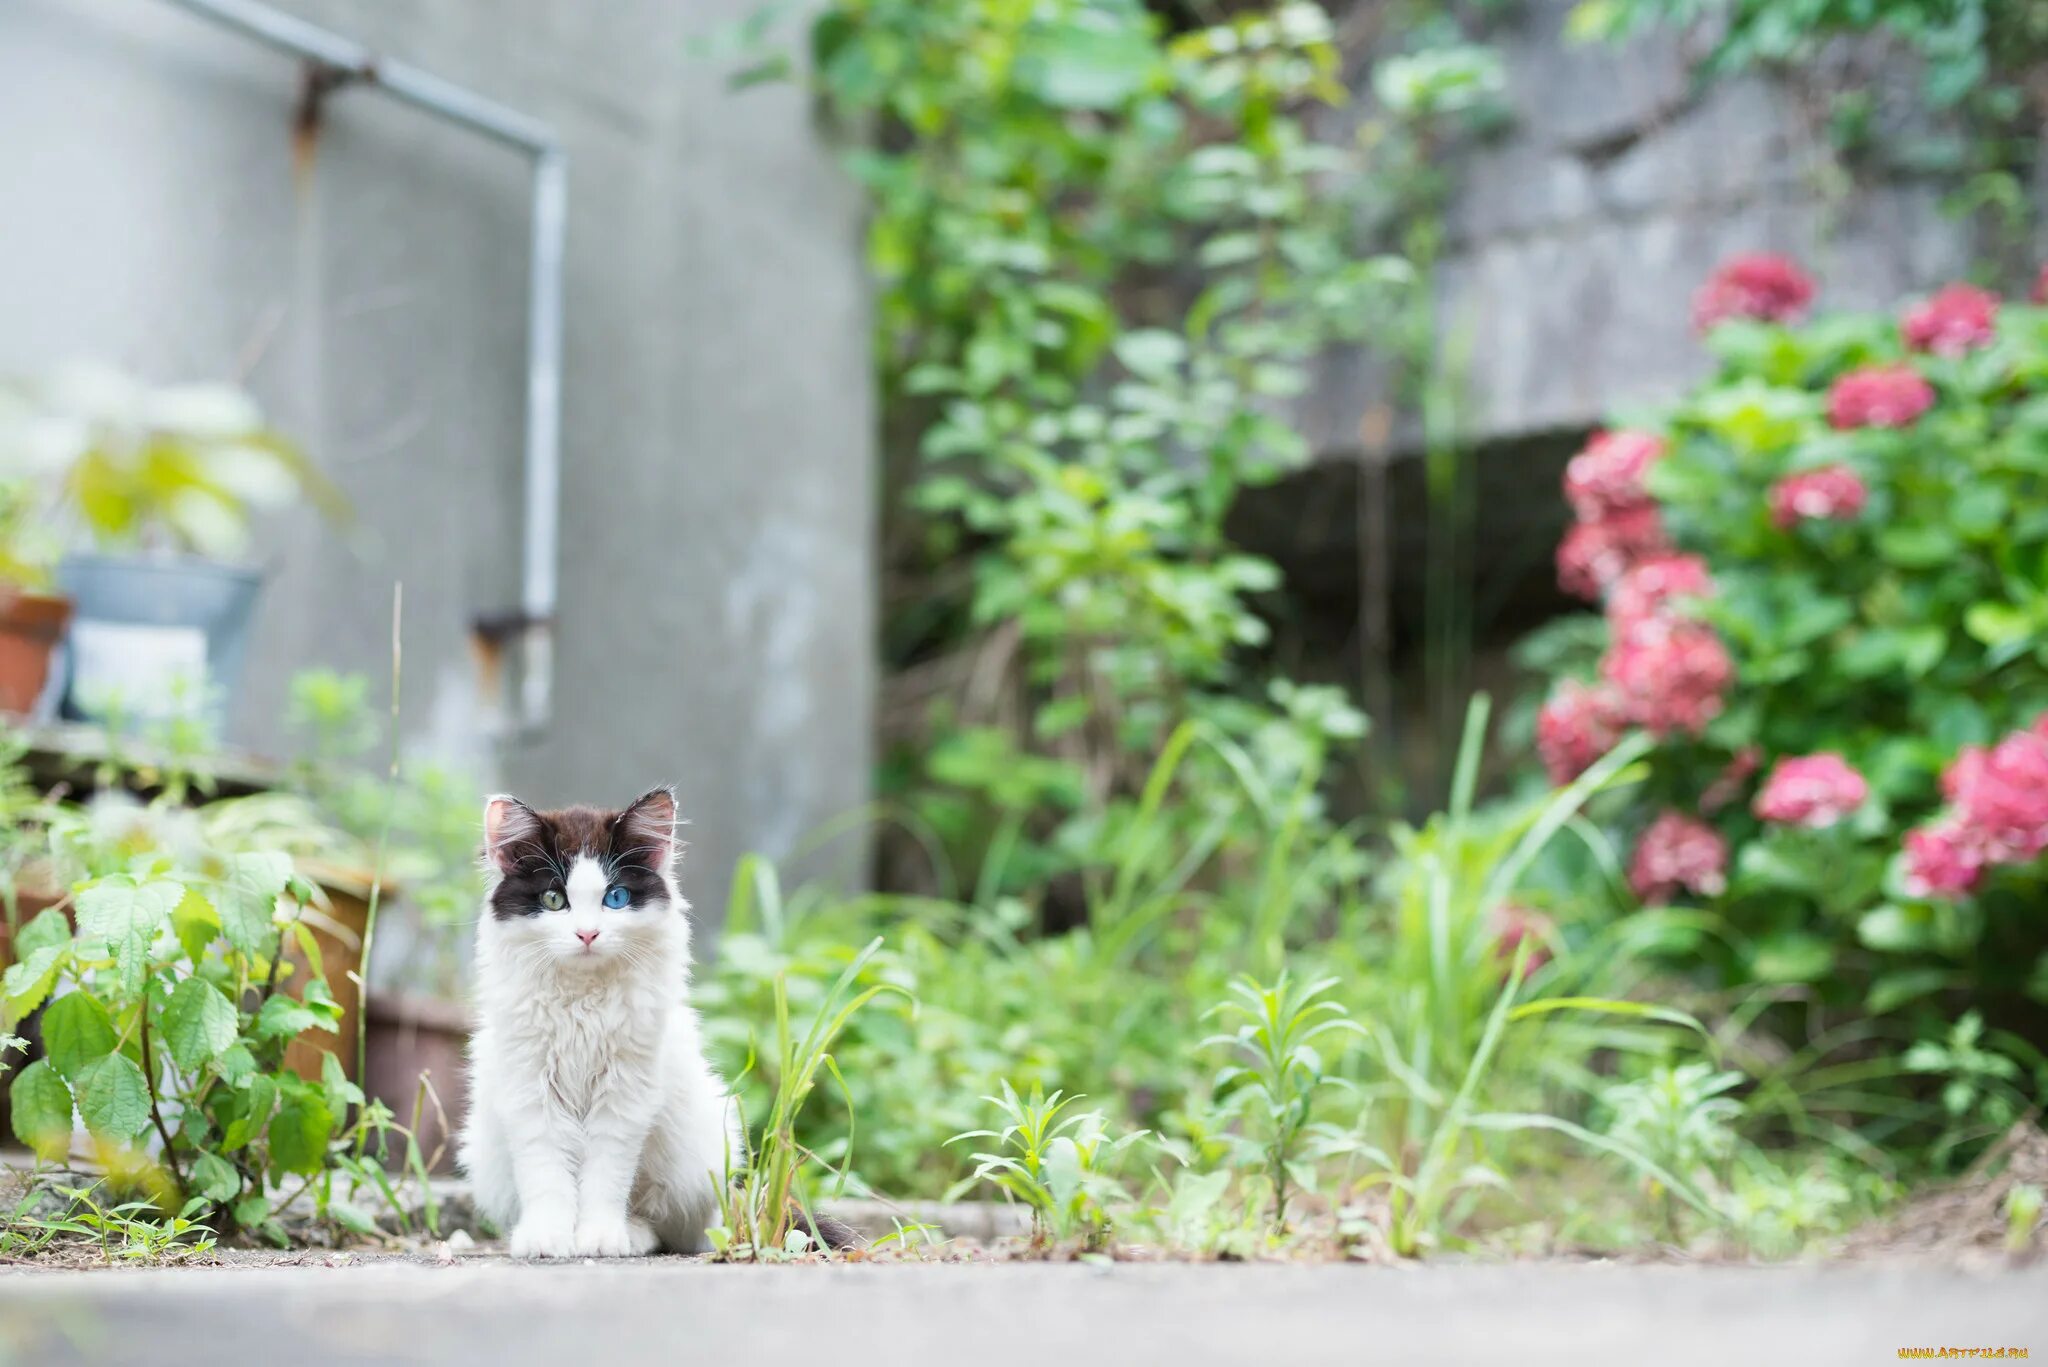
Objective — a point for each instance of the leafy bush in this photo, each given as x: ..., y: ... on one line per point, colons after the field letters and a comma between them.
x: 1825, y: 579
x: 164, y: 1020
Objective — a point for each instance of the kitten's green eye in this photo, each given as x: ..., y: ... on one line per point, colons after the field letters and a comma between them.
x: 553, y: 900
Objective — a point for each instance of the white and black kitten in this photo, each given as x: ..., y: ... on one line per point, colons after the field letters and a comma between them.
x: 596, y: 1128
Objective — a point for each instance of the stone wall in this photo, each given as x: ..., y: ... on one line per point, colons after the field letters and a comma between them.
x: 1579, y: 234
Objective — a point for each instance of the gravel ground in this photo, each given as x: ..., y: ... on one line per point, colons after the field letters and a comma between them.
x: 487, y: 1310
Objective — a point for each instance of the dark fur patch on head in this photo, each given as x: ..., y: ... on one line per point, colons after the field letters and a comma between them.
x: 534, y: 850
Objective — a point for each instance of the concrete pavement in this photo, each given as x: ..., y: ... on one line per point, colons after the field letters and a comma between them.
x: 674, y: 1312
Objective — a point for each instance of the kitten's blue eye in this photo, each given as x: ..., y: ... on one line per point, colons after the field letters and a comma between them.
x: 616, y: 896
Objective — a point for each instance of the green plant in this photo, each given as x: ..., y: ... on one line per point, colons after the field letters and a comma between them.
x: 764, y: 1210
x: 1058, y: 1162
x: 1277, y: 1029
x: 1778, y: 1210
x: 2023, y: 1205
x: 125, y: 1232
x: 1181, y: 899
x: 1681, y: 1117
x: 1108, y: 255
x: 164, y: 1018
x: 175, y: 468
x: 1983, y: 1091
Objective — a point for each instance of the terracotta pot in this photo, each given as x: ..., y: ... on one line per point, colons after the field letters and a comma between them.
x: 338, y: 934
x: 31, y: 624
x: 415, y: 1040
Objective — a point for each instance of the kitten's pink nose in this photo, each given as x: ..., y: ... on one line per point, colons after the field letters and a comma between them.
x: 587, y: 936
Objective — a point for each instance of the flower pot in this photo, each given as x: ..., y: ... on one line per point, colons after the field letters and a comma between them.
x: 415, y: 1039
x: 155, y: 638
x: 338, y: 928
x: 31, y: 625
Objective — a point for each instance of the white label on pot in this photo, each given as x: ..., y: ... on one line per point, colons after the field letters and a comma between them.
x: 147, y: 673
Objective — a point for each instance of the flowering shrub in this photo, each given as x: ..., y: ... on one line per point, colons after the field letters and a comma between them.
x: 1824, y: 577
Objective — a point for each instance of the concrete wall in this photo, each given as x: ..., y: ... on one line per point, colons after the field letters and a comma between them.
x: 716, y: 624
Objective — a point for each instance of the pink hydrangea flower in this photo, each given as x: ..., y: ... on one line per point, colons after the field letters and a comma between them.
x: 1607, y: 476
x: 1759, y: 285
x: 1942, y: 861
x: 1879, y: 396
x: 2000, y: 796
x: 1814, y: 791
x: 1678, y: 852
x: 1511, y: 924
x: 1593, y: 555
x: 1997, y: 814
x: 1576, y: 726
x: 1952, y: 321
x: 1832, y: 491
x: 1671, y: 673
x: 1653, y: 585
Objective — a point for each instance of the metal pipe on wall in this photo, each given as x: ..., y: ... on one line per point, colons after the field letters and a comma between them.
x: 339, y: 61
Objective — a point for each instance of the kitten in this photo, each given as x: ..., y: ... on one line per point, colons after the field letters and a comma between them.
x: 595, y: 1128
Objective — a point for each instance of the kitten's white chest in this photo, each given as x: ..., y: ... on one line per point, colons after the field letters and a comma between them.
x: 585, y: 1045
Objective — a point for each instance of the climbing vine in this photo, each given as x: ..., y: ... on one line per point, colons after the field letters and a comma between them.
x: 1109, y: 242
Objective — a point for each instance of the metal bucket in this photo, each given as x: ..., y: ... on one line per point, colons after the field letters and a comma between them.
x: 155, y: 638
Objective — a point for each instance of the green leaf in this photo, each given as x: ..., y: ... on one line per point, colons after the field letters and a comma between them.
x: 41, y: 1106
x: 1893, y: 990
x: 299, y: 1134
x: 1997, y: 624
x: 1792, y: 957
x: 252, y: 1111
x: 285, y: 1017
x: 352, y: 1218
x: 113, y: 1099
x: 1895, y: 929
x: 195, y: 923
x: 1921, y: 647
x: 77, y: 1033
x: 51, y: 929
x: 1152, y: 353
x: 27, y: 983
x: 341, y: 1093
x: 248, y: 901
x: 213, y: 1178
x: 126, y: 916
x: 1683, y: 478
x: 1916, y: 547
x: 1094, y: 60
x: 198, y: 1023
x: 235, y: 1065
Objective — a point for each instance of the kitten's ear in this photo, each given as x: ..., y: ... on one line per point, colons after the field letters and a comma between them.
x: 508, y: 823
x: 651, y: 822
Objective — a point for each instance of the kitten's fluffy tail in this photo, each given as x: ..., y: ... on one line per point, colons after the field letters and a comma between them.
x: 833, y: 1234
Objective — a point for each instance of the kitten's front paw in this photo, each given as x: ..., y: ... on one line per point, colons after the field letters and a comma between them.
x: 616, y: 1238
x: 540, y: 1234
